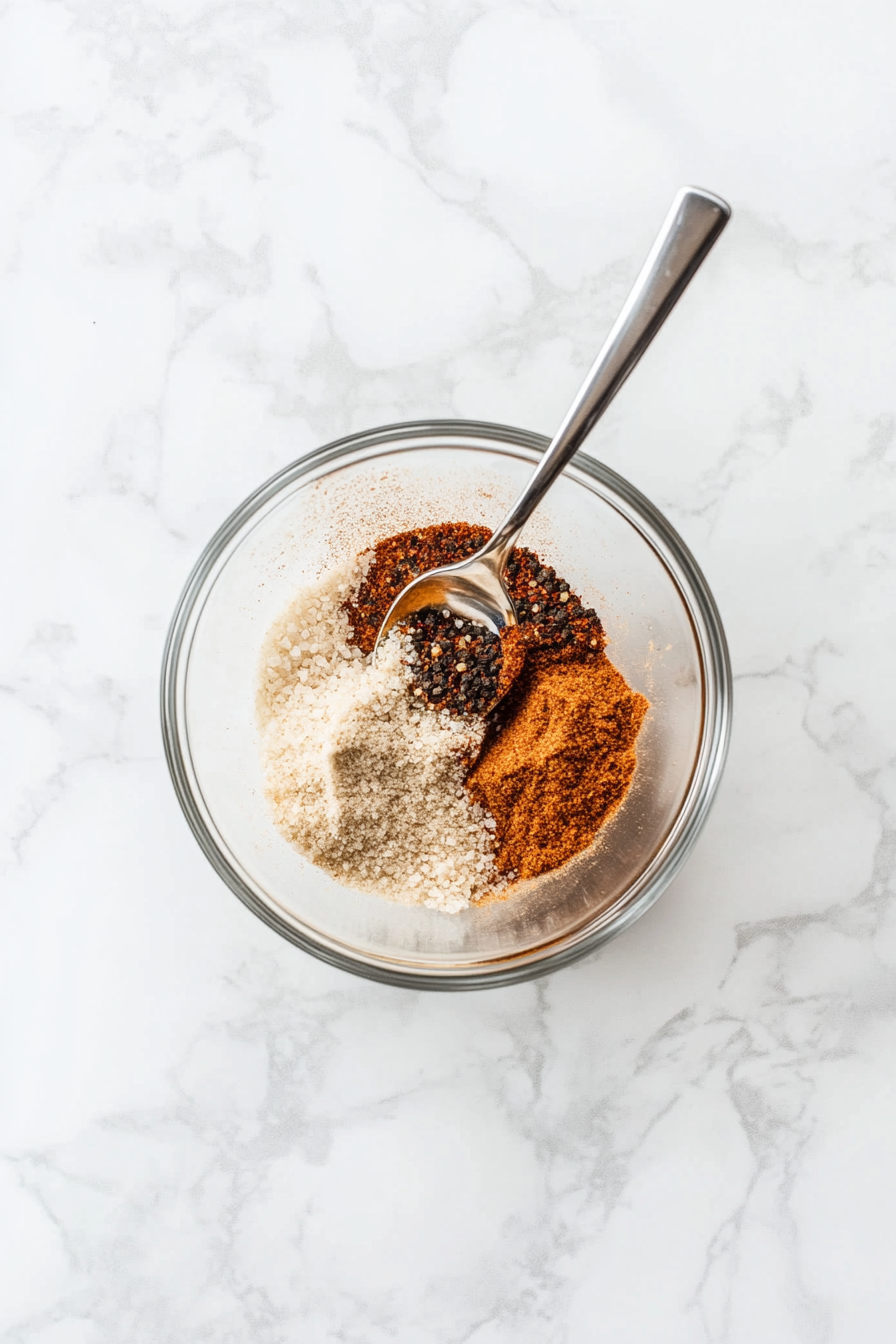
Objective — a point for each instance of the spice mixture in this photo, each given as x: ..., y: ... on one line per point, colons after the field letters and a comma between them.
x: 459, y: 763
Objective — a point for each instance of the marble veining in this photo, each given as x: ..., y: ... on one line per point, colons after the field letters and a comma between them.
x: 233, y: 232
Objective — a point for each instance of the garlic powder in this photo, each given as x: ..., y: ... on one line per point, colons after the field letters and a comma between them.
x: 360, y: 780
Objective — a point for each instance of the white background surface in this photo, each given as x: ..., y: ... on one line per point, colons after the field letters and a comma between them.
x: 233, y: 232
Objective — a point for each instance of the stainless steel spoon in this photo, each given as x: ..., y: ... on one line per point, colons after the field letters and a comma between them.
x: 474, y: 588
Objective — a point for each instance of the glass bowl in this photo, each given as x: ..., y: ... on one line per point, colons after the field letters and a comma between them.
x: 615, y: 549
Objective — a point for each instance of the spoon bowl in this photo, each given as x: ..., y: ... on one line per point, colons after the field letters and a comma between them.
x: 474, y: 588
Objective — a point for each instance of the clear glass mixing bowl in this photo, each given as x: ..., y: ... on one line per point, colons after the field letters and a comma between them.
x: 613, y: 546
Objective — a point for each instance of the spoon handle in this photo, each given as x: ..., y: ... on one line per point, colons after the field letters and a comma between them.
x: 694, y: 222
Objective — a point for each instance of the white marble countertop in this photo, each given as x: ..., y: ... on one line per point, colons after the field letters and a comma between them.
x: 239, y: 231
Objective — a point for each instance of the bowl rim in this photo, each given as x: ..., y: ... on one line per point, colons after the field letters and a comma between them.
x: 712, y: 649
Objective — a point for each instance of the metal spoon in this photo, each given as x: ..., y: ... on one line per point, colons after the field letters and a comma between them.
x: 474, y: 588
